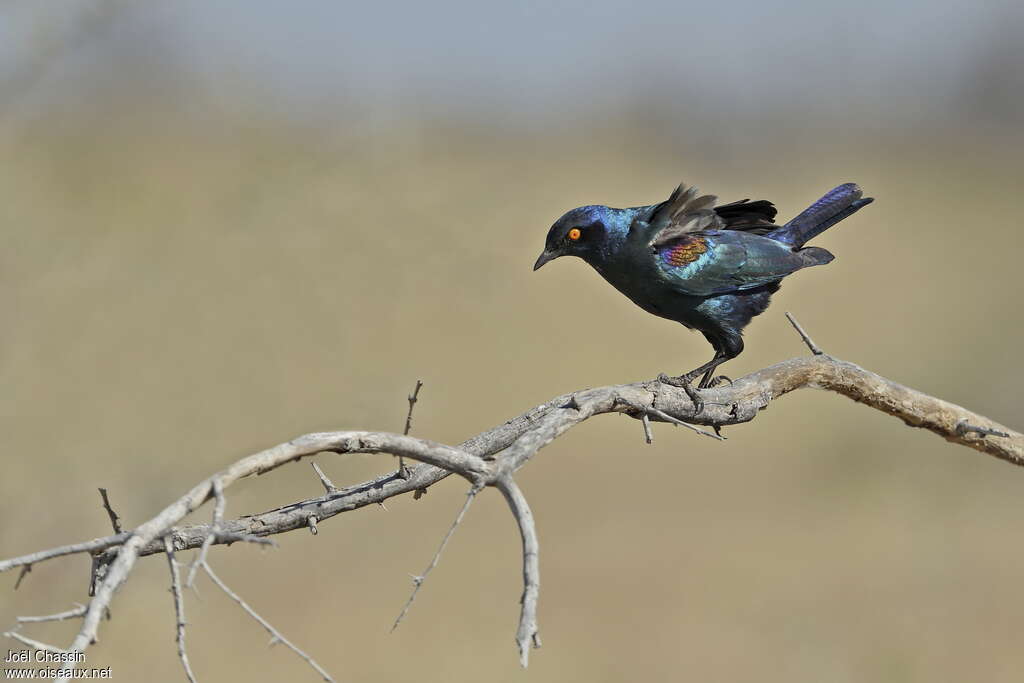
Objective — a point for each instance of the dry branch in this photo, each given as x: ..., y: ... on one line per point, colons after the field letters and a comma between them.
x: 527, y: 635
x: 419, y: 579
x: 115, y: 521
x: 32, y: 643
x: 218, y: 517
x: 492, y: 457
x: 179, y: 609
x: 275, y: 635
x: 77, y: 611
x: 413, y: 398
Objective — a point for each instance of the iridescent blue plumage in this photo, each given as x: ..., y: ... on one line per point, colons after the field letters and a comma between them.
x: 710, y: 268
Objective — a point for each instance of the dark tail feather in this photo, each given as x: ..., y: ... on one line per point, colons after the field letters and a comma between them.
x: 840, y: 203
x: 815, y: 256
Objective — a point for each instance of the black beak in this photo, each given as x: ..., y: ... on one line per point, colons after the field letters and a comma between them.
x: 544, y: 257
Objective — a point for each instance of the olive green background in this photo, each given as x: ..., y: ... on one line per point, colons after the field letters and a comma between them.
x: 178, y: 292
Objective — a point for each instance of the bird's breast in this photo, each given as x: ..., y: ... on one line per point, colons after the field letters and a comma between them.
x: 645, y: 287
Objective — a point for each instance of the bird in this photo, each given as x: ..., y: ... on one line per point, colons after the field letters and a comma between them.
x: 711, y: 267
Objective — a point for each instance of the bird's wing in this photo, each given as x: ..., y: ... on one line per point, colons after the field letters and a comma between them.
x: 681, y: 214
x: 756, y: 217
x: 722, y: 261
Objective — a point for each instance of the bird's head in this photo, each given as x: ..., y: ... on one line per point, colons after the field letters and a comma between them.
x: 581, y: 232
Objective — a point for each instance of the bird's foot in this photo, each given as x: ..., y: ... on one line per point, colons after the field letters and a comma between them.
x: 715, y: 381
x: 685, y: 382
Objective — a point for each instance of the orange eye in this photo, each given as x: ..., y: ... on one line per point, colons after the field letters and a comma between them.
x: 574, y: 234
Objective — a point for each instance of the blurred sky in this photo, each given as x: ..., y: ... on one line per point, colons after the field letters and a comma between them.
x: 533, y: 63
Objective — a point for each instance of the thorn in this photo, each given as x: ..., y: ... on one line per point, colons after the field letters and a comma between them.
x: 328, y: 485
x: 24, y: 570
x: 963, y: 428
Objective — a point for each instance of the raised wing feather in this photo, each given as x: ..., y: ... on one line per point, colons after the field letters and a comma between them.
x: 757, y: 217
x: 683, y: 213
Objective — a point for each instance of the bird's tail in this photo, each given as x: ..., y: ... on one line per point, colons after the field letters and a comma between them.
x: 837, y: 204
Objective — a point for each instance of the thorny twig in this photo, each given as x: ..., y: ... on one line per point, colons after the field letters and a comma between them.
x: 275, y: 635
x: 218, y: 518
x: 665, y: 417
x: 32, y: 643
x: 73, y: 613
x: 803, y: 335
x: 114, y: 519
x: 419, y: 579
x: 77, y: 611
x: 179, y: 608
x: 413, y: 397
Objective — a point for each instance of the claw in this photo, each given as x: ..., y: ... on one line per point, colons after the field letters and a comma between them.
x: 715, y: 381
x: 673, y: 381
x: 698, y: 404
x: 685, y: 382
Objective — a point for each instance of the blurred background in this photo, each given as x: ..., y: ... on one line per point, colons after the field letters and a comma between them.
x: 226, y: 224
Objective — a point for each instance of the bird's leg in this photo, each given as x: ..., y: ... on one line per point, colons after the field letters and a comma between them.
x: 685, y: 381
